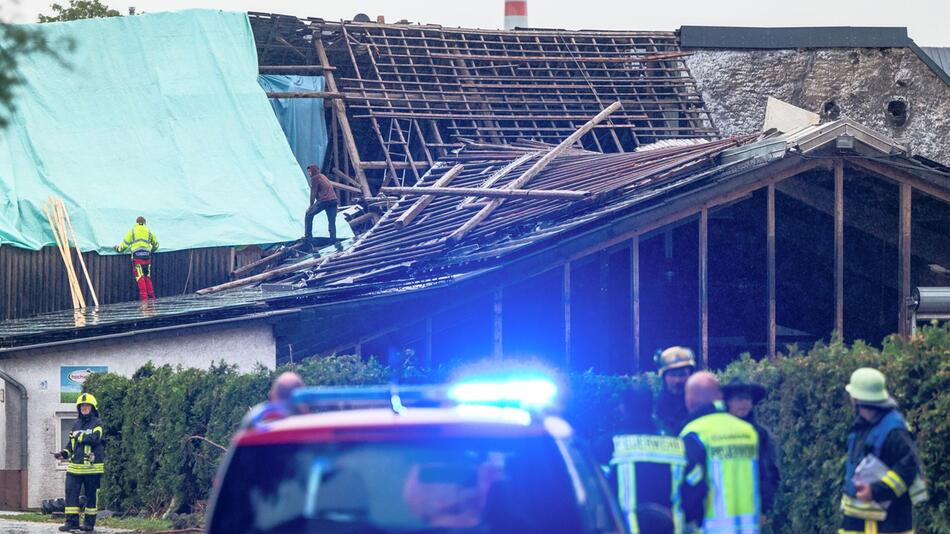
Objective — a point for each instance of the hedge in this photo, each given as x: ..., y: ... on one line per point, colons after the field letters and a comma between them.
x: 155, y: 467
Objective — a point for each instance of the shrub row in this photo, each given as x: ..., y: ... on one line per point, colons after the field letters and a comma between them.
x: 156, y: 466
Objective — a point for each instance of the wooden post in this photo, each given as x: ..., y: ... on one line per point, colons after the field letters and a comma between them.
x: 338, y: 108
x: 904, y: 267
x: 839, y: 247
x: 703, y: 286
x: 498, y: 337
x: 428, y: 341
x: 635, y: 298
x: 566, y: 303
x: 539, y: 166
x: 770, y: 253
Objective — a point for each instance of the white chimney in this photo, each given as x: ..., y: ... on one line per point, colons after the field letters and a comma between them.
x: 516, y: 14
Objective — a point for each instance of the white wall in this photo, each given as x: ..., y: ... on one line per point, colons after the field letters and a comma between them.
x: 245, y: 344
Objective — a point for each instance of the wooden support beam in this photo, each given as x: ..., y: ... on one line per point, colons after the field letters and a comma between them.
x: 902, y: 176
x: 704, y: 285
x: 770, y: 254
x: 539, y: 166
x: 839, y: 247
x: 566, y: 303
x: 378, y: 165
x: 350, y: 188
x: 348, y: 141
x: 635, y: 298
x: 414, y: 210
x: 547, y: 194
x: 265, y: 69
x: 498, y: 348
x: 906, y: 196
x: 499, y: 174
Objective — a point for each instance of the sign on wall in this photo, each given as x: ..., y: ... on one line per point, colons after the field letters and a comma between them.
x: 71, y: 379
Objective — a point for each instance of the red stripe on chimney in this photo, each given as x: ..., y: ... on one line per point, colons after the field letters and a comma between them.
x: 516, y: 8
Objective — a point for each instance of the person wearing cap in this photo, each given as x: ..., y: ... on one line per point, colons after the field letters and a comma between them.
x: 741, y: 398
x: 879, y: 430
x: 676, y: 365
x: 322, y: 198
x: 645, y: 468
x: 279, y: 401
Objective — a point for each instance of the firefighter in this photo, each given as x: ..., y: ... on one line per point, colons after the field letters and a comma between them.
x: 720, y: 493
x: 676, y: 365
x: 86, y: 456
x: 879, y: 430
x: 646, y: 468
x: 142, y: 243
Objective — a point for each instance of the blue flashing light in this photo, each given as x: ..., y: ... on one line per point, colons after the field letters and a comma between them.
x: 533, y: 393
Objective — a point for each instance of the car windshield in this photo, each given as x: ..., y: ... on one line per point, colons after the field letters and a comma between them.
x: 459, y: 485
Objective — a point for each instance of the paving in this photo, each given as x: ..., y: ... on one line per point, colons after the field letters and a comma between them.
x: 10, y: 526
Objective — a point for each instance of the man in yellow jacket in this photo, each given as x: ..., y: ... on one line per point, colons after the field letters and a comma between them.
x: 142, y: 243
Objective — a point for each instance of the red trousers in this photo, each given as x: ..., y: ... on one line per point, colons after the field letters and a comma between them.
x: 142, y: 271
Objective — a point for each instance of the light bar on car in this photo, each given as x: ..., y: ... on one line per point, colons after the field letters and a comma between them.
x: 533, y: 393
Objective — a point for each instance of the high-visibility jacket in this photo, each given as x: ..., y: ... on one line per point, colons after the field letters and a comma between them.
x: 729, y: 470
x: 141, y: 241
x: 85, y: 450
x: 649, y: 470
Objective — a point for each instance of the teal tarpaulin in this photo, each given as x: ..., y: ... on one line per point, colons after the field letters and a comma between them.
x: 302, y: 119
x: 159, y: 115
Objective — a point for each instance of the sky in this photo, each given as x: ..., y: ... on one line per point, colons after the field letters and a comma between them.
x: 928, y: 21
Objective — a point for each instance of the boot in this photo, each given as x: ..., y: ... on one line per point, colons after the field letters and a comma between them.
x: 69, y: 527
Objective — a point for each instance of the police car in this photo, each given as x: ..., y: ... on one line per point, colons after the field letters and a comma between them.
x: 473, y: 457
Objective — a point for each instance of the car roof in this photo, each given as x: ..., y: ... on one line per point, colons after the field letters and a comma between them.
x: 385, y: 424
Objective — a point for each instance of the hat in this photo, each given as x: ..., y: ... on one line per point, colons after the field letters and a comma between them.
x: 738, y: 385
x: 867, y: 386
x: 674, y: 358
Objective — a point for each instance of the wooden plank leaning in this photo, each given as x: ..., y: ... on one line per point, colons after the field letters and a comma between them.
x: 539, y: 166
x: 421, y: 204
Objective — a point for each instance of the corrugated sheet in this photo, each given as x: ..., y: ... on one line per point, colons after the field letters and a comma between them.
x: 33, y: 282
x: 940, y: 55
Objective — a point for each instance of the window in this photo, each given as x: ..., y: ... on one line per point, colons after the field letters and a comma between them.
x: 65, y: 422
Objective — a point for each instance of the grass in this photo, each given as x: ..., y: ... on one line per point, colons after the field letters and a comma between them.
x: 138, y: 524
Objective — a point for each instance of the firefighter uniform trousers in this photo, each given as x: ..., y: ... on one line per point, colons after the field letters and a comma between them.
x: 87, y: 485
x: 142, y: 270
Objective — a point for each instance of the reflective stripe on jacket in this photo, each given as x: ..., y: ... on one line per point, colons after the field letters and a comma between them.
x: 85, y: 449
x: 633, y: 456
x: 139, y: 238
x: 731, y: 472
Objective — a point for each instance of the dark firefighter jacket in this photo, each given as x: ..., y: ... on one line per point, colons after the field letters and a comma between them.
x: 899, y: 453
x: 670, y: 413
x: 85, y: 450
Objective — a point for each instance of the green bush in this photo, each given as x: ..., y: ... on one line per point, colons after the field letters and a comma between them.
x: 154, y: 467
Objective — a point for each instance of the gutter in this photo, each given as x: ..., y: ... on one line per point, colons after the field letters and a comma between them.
x: 119, y: 335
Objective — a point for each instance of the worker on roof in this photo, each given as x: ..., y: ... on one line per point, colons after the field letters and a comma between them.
x: 883, y: 479
x: 646, y: 468
x: 676, y: 365
x: 85, y: 454
x: 142, y: 243
x: 322, y: 198
x: 278, y: 403
x: 721, y: 492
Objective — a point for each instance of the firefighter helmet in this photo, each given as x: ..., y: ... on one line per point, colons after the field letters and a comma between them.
x: 867, y: 386
x: 674, y: 358
x: 87, y: 398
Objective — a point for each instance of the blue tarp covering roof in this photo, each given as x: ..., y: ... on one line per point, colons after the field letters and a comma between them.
x: 158, y: 115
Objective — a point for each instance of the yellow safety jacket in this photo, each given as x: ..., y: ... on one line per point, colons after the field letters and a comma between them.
x: 141, y: 241
x: 732, y: 473
x: 85, y: 450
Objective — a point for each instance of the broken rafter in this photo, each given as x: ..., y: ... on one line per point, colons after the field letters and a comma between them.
x: 522, y: 180
x: 562, y: 59
x: 548, y: 194
x: 421, y: 204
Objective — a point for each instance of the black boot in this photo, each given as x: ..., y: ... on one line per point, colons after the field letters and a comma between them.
x: 69, y: 527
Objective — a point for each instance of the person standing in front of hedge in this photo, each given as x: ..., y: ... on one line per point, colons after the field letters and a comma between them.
x: 882, y: 475
x: 85, y: 454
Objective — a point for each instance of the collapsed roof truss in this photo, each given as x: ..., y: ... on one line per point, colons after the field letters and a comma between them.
x: 413, y: 93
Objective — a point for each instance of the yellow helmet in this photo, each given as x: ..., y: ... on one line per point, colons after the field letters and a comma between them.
x: 87, y: 398
x: 674, y: 358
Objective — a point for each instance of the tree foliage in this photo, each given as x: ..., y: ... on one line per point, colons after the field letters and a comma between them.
x: 16, y: 42
x: 155, y: 466
x: 78, y: 10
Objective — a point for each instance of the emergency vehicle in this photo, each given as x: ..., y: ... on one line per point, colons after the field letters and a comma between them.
x: 473, y: 457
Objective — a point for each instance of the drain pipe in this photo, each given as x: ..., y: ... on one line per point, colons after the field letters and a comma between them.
x: 24, y: 456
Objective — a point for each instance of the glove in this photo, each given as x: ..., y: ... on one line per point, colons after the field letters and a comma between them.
x: 58, y: 455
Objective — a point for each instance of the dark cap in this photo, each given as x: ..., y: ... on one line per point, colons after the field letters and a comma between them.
x: 738, y: 385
